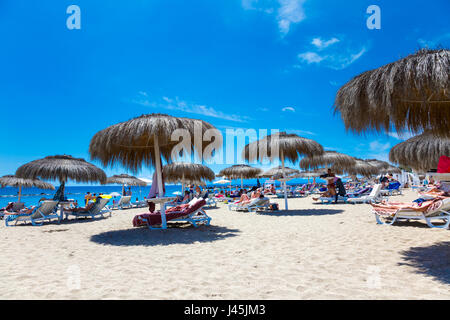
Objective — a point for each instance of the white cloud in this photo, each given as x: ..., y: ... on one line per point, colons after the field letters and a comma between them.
x: 311, y: 57
x: 402, y: 136
x: 321, y: 44
x: 180, y: 105
x: 288, y: 12
x: 301, y: 132
x: 288, y: 109
x: 378, y: 146
x: 334, y: 83
x: 343, y: 61
x: 434, y: 42
x: 337, y: 60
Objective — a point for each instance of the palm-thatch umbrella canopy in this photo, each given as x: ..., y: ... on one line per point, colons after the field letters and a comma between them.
x: 362, y: 168
x: 421, y: 152
x: 311, y: 173
x: 328, y: 159
x: 190, y: 173
x: 62, y: 168
x: 125, y: 179
x: 390, y: 170
x: 13, y: 181
x: 378, y: 163
x: 411, y: 93
x: 282, y: 146
x: 240, y: 171
x: 143, y: 140
x: 278, y: 172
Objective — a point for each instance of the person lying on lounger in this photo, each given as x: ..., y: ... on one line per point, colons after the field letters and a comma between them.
x: 88, y: 207
x: 8, y: 207
x: 244, y: 199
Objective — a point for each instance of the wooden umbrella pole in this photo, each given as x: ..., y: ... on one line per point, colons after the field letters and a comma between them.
x: 285, y: 191
x: 159, y: 177
x: 123, y: 187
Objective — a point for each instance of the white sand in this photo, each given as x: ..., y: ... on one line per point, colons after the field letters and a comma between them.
x: 311, y: 252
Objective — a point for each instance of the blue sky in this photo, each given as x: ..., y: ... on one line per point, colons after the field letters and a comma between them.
x: 274, y: 64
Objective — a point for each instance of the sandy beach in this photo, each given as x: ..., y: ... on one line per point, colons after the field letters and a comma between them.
x: 313, y: 251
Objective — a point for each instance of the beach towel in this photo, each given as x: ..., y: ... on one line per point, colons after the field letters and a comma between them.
x: 443, y: 165
x: 155, y: 217
x: 390, y: 208
x: 154, y: 191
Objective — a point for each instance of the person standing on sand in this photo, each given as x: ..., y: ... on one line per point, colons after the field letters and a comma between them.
x: 87, y: 197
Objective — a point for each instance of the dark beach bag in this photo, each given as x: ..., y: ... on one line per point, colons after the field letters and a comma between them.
x: 273, y: 206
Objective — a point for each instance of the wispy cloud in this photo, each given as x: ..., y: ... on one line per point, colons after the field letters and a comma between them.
x: 322, y: 44
x: 378, y: 146
x: 287, y: 12
x: 379, y: 150
x: 339, y: 58
x: 288, y: 109
x: 442, y: 39
x: 290, y: 11
x: 301, y: 132
x: 310, y: 57
x: 184, y: 106
x: 402, y: 136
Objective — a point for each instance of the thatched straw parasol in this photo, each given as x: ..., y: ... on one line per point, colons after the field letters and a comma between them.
x: 327, y: 159
x: 278, y: 172
x: 421, y: 152
x: 62, y: 168
x: 143, y: 140
x: 240, y: 171
x: 125, y: 179
x: 311, y: 173
x: 412, y: 94
x: 362, y: 168
x: 390, y: 170
x: 282, y: 146
x: 13, y: 181
x: 378, y: 163
x: 187, y: 173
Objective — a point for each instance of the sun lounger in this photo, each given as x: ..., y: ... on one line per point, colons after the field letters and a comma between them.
x: 194, y: 214
x: 98, y: 209
x: 392, y: 189
x: 374, y: 196
x: 255, y: 205
x: 437, y: 209
x: 46, y: 210
x: 333, y: 199
x: 211, y: 201
x: 140, y: 204
x: 123, y: 203
x: 359, y: 193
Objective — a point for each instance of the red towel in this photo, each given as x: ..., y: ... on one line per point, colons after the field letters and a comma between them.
x: 443, y: 165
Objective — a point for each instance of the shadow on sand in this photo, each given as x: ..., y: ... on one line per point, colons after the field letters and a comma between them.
x: 306, y: 212
x: 432, y: 260
x: 176, y: 233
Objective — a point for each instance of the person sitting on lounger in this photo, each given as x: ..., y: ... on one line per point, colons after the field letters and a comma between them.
x: 331, y: 190
x: 255, y: 194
